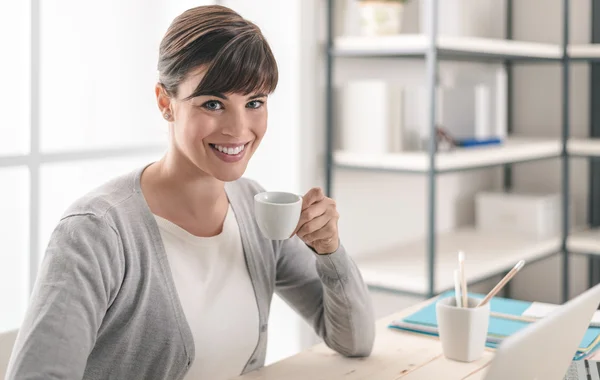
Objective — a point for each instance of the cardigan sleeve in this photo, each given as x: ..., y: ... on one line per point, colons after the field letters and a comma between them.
x: 329, y: 293
x: 79, y: 278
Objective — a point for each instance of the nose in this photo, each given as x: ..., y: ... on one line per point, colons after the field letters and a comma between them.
x: 235, y: 125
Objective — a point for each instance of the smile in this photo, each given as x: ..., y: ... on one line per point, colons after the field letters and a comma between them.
x: 230, y: 152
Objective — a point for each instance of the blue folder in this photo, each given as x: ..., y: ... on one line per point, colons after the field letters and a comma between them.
x: 498, y: 327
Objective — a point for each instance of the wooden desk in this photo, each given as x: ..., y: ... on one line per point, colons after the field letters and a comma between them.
x: 396, y: 355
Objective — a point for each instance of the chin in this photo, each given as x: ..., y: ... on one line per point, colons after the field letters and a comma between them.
x: 229, y: 174
x: 223, y: 170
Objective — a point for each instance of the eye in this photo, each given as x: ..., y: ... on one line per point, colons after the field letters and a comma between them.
x: 255, y: 104
x: 213, y: 105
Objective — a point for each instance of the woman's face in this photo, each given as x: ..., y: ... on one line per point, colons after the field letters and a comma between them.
x: 216, y: 133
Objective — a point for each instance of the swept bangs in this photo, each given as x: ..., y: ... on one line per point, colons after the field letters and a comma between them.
x: 245, y: 65
x: 235, y: 53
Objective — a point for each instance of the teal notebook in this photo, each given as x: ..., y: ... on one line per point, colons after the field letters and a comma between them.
x: 498, y: 327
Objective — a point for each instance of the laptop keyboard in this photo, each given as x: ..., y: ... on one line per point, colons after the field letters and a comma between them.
x: 573, y: 373
x: 583, y: 370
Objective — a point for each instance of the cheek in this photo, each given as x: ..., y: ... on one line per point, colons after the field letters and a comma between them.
x: 195, y: 127
x: 259, y: 124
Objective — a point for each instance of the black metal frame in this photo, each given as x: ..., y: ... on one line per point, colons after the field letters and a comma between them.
x: 329, y: 101
x: 508, y: 66
x: 594, y: 131
x: 507, y: 173
x: 565, y: 155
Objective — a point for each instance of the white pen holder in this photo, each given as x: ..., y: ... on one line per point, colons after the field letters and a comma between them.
x: 462, y: 330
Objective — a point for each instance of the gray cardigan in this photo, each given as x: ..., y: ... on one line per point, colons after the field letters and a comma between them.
x: 105, y: 305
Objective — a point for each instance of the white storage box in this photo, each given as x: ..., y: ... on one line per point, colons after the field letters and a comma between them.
x: 536, y: 215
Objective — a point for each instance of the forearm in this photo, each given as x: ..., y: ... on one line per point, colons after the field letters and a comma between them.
x: 347, y: 323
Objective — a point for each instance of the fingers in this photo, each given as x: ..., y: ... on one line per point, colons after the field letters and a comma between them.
x: 314, y: 195
x: 328, y: 231
x: 313, y: 225
x: 312, y: 212
x: 317, y: 225
x: 317, y: 217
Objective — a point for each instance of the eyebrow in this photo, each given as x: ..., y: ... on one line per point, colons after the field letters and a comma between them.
x: 213, y: 93
x: 224, y: 97
x: 257, y: 96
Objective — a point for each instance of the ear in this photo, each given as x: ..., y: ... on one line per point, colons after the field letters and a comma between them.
x: 163, y: 100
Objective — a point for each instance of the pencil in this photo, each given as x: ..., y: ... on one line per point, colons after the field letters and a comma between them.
x: 502, y: 282
x: 526, y: 318
x: 463, y: 280
x: 520, y: 318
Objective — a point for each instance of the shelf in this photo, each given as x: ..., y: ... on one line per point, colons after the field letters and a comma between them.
x: 587, y: 52
x: 585, y: 242
x: 416, y: 45
x: 512, y: 151
x: 403, y: 269
x: 584, y: 147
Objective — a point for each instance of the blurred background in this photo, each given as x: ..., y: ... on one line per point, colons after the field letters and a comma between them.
x: 78, y: 108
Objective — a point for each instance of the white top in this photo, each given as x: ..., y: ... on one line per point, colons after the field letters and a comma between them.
x: 217, y: 297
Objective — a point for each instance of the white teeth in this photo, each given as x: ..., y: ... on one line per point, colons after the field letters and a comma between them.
x: 231, y: 151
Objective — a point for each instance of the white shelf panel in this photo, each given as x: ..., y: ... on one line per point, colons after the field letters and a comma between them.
x: 487, y: 253
x: 512, y: 150
x: 584, y: 51
x: 586, y: 241
x: 584, y: 147
x: 417, y: 44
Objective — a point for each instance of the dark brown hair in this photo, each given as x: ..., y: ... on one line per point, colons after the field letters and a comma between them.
x: 234, y: 50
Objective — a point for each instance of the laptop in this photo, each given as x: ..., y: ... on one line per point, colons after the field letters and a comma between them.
x: 544, y: 350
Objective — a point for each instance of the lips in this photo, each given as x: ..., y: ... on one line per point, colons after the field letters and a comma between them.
x: 229, y: 152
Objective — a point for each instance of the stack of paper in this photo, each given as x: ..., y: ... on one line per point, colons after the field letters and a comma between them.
x: 424, y: 321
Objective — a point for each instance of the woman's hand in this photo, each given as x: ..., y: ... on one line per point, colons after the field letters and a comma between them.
x: 318, y: 225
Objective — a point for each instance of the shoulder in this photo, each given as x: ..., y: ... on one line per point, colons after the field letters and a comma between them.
x: 103, y: 200
x: 93, y: 222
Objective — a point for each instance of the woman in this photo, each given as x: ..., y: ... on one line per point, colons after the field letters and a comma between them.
x: 163, y: 273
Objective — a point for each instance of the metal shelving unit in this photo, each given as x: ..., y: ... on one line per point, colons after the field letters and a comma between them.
x: 422, y: 267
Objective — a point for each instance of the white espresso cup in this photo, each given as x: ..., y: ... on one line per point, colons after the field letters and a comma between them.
x: 277, y: 213
x: 462, y: 330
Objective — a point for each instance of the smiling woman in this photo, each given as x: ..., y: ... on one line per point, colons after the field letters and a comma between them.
x: 232, y: 124
x: 215, y: 74
x: 163, y: 273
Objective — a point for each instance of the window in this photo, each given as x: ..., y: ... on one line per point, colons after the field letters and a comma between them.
x: 15, y: 29
x: 14, y: 235
x: 14, y: 180
x: 97, y: 85
x: 94, y: 116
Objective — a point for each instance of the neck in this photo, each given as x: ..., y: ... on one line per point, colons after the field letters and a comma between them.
x: 188, y: 190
